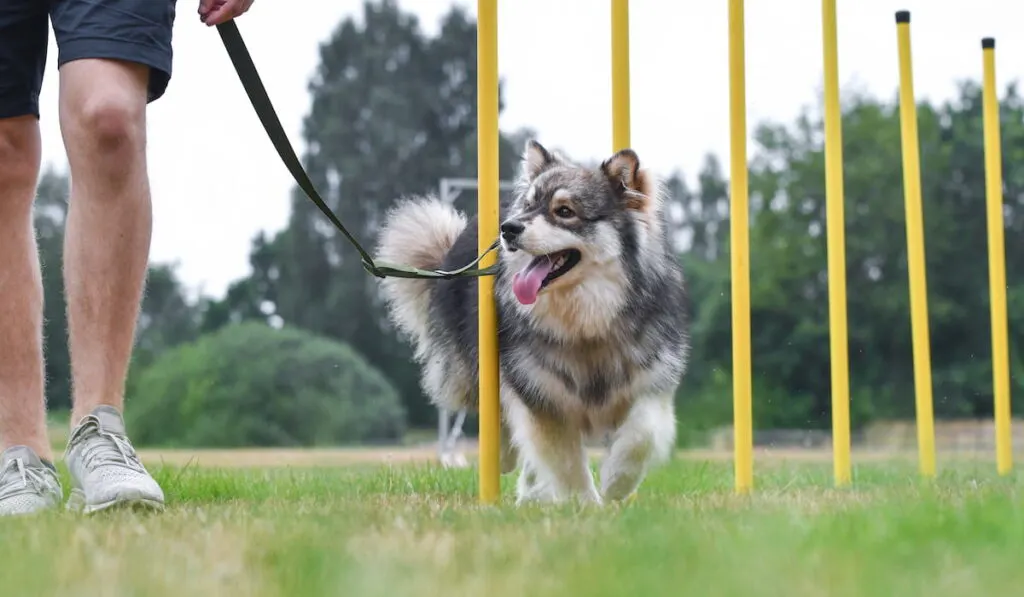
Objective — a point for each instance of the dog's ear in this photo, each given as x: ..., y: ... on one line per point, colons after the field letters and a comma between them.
x: 536, y: 159
x: 623, y: 172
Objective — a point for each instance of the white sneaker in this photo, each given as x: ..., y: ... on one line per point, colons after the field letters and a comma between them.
x: 27, y: 486
x: 105, y: 470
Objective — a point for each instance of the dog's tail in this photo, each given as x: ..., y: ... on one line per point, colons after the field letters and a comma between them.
x: 417, y: 232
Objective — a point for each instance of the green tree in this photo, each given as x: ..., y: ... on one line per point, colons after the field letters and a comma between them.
x: 50, y: 213
x: 250, y: 384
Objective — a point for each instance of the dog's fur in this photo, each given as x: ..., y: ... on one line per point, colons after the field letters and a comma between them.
x: 600, y: 351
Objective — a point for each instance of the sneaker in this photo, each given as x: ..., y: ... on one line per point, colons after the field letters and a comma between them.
x: 105, y: 470
x: 27, y: 486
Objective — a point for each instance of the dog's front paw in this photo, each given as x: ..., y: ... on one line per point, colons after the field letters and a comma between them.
x: 621, y: 476
x: 530, y: 489
x: 508, y: 458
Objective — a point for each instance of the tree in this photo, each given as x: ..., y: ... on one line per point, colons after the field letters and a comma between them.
x: 50, y: 214
x: 250, y: 384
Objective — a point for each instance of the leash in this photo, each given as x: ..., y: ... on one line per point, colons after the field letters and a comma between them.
x: 257, y: 93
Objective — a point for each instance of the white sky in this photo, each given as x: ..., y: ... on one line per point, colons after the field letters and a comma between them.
x: 216, y: 179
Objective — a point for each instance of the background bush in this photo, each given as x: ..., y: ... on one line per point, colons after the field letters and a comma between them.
x: 253, y: 385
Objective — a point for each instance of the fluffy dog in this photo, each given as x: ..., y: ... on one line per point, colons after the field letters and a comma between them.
x: 591, y: 309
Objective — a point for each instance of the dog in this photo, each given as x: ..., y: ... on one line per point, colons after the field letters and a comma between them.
x: 592, y: 325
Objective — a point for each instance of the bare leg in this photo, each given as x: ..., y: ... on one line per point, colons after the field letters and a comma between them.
x: 103, y: 122
x: 106, y: 250
x: 643, y: 440
x: 22, y: 402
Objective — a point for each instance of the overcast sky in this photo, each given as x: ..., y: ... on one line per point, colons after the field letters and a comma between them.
x: 216, y: 179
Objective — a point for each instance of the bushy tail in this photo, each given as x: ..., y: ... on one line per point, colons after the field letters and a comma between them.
x: 418, y: 232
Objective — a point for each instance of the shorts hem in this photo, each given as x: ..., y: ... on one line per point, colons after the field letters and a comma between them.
x: 17, y: 108
x: 158, y: 60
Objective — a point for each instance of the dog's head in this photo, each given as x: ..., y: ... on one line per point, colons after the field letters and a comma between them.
x: 569, y: 223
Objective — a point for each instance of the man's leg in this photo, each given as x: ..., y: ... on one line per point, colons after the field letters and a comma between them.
x: 106, y: 247
x: 22, y: 404
x: 105, y: 85
x: 28, y: 482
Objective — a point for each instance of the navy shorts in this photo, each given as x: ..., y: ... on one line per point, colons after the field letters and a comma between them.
x: 132, y: 30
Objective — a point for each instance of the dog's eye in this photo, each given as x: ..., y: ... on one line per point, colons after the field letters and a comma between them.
x: 564, y: 212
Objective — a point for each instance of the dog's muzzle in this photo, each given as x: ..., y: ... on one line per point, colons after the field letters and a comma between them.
x: 510, y: 231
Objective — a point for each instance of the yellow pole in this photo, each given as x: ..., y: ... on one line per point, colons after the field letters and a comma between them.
x: 743, y: 433
x: 837, y: 254
x: 620, y: 74
x: 836, y: 250
x: 487, y: 206
x: 996, y: 260
x: 915, y: 251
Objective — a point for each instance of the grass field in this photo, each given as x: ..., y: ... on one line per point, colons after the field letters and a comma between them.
x: 411, y: 528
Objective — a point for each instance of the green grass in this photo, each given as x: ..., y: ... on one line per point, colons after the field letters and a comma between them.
x: 417, y: 530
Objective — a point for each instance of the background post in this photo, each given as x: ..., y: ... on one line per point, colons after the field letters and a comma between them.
x: 835, y: 232
x: 620, y: 75
x: 996, y: 259
x: 739, y: 254
x: 915, y: 251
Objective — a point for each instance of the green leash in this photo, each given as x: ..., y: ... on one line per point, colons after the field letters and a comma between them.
x: 257, y: 93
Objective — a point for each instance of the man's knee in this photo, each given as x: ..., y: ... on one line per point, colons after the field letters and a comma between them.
x: 111, y: 123
x: 103, y: 109
x: 19, y: 158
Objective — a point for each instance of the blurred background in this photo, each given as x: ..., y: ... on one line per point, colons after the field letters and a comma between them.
x: 260, y: 328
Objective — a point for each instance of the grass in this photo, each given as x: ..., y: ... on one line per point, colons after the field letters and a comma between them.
x: 414, y: 529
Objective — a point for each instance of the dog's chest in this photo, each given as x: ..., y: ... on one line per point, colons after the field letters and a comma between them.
x: 591, y: 374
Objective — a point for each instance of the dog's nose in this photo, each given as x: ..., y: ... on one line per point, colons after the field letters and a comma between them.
x: 510, y: 229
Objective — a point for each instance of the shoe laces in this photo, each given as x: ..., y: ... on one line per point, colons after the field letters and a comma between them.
x: 30, y: 479
x: 111, y: 448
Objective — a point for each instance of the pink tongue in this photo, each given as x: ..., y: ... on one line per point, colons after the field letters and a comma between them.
x: 526, y: 284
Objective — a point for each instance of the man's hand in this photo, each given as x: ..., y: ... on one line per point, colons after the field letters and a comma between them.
x: 215, y: 12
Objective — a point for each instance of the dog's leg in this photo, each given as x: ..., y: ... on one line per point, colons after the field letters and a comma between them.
x: 553, y: 457
x: 644, y: 439
x: 509, y: 455
x: 529, y: 488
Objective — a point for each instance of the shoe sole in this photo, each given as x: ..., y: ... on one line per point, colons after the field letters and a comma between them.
x: 135, y: 503
x: 36, y: 512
